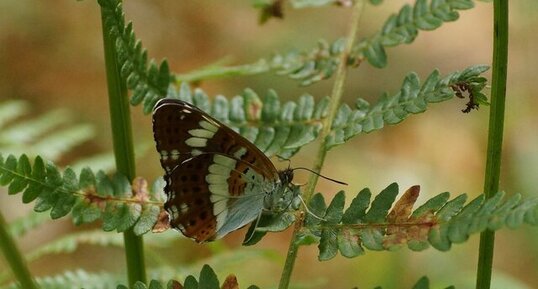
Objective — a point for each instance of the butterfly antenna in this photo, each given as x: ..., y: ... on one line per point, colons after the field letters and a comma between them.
x: 308, y: 210
x: 316, y: 173
x: 300, y: 185
x: 254, y: 229
x: 281, y: 158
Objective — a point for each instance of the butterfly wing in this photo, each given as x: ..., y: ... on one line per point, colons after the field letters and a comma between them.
x: 181, y: 131
x: 209, y: 209
x: 215, y: 179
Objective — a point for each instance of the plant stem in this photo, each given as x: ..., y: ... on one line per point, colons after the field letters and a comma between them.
x: 123, y: 149
x: 217, y: 71
x: 336, y: 95
x: 495, y: 134
x: 14, y: 257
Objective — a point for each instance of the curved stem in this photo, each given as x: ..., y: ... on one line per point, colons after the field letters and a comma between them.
x: 495, y: 134
x: 123, y: 149
x: 14, y: 257
x: 336, y: 95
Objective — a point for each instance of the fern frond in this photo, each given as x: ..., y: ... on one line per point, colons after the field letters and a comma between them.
x: 148, y: 82
x: 226, y: 259
x: 105, y: 161
x: 306, y: 67
x: 21, y: 226
x: 59, y: 142
x: 69, y: 243
x: 26, y: 131
x: 76, y: 279
x: 10, y: 110
x: 413, y: 98
x: 283, y: 129
x: 438, y: 222
x: 87, y: 196
x: 49, y: 135
x: 207, y: 280
x: 275, y: 128
x: 424, y: 283
x: 403, y: 27
x: 320, y: 63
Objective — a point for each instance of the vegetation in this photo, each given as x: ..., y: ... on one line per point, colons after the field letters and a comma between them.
x: 128, y: 204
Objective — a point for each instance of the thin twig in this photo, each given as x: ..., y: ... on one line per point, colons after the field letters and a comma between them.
x: 336, y: 95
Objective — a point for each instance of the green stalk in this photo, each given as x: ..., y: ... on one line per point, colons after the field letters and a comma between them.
x: 123, y: 149
x: 14, y: 257
x: 495, y: 134
x: 213, y: 72
x: 336, y: 96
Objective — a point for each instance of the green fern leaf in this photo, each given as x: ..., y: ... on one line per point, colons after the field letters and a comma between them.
x: 191, y: 283
x: 23, y: 225
x: 422, y: 283
x: 306, y: 67
x: 88, y: 197
x: 275, y: 128
x: 321, y: 62
x: 403, y: 27
x: 268, y: 223
x: 357, y: 209
x: 412, y: 98
x: 328, y: 244
x: 282, y: 129
x: 69, y: 243
x: 50, y: 135
x: 10, y: 110
x: 438, y: 222
x: 207, y: 280
x: 75, y: 279
x: 148, y: 82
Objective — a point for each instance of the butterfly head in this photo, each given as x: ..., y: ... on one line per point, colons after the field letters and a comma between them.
x: 282, y: 196
x: 286, y: 176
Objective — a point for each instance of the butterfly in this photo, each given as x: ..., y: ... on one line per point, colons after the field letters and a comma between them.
x: 216, y: 180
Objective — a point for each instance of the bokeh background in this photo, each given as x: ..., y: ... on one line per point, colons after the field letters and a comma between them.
x: 51, y: 56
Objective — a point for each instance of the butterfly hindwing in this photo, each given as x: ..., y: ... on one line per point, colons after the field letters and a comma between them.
x: 188, y: 200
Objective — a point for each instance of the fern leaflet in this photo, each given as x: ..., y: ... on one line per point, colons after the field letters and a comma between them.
x: 438, y: 222
x: 88, y: 196
x: 148, y: 82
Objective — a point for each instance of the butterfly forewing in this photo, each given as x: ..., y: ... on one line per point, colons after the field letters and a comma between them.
x: 211, y: 172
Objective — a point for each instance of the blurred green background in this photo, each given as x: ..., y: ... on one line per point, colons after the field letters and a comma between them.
x: 51, y: 55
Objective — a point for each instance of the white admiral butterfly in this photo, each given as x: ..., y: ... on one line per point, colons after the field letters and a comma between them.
x: 216, y: 180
